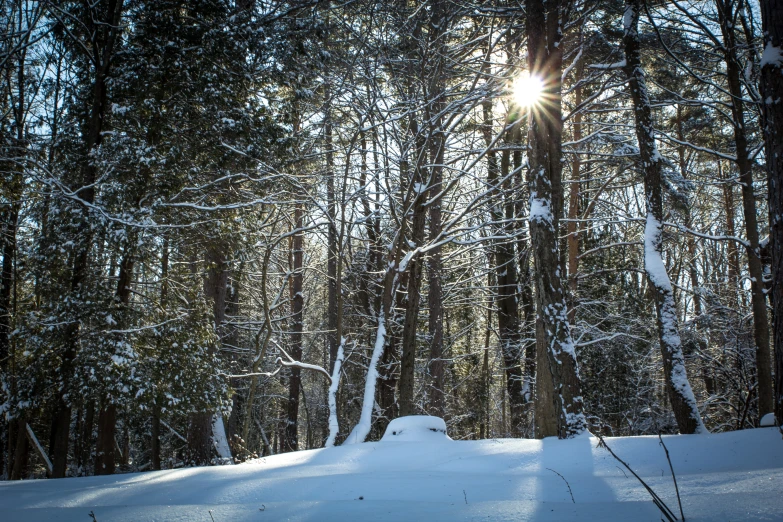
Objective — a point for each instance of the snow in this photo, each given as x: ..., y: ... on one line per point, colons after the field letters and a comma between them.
x: 607, y: 66
x: 334, y: 426
x: 628, y: 17
x: 653, y: 263
x: 220, y: 440
x: 540, y: 210
x: 768, y: 420
x: 362, y: 428
x: 727, y: 476
x: 416, y: 428
x: 772, y: 55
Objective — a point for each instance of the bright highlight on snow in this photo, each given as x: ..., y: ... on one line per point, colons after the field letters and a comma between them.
x: 527, y: 90
x: 417, y: 473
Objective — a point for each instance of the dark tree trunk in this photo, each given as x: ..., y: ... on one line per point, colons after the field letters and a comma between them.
x: 107, y: 32
x: 291, y: 431
x: 573, y: 203
x: 436, y: 398
x: 21, y: 451
x: 679, y: 390
x: 155, y: 438
x: 200, y: 438
x: 772, y: 107
x: 6, y: 286
x: 332, y: 336
x: 731, y: 247
x: 84, y: 446
x: 727, y: 9
x: 105, y: 459
x: 164, y: 296
x: 558, y: 396
x: 107, y: 418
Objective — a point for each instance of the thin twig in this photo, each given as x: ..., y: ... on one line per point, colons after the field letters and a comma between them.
x: 567, y: 484
x: 674, y: 477
x: 668, y: 513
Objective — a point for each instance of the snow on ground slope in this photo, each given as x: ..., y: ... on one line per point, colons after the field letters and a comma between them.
x: 722, y: 477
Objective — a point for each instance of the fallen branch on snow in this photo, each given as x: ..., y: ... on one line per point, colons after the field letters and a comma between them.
x: 668, y: 513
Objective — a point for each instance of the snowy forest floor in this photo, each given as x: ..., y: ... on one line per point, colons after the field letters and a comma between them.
x: 723, y: 477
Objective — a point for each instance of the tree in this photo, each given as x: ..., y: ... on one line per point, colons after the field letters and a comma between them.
x: 729, y: 14
x: 678, y: 387
x: 559, y: 408
x: 772, y: 108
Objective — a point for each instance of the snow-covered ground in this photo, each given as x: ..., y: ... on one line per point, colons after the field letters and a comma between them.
x: 723, y: 477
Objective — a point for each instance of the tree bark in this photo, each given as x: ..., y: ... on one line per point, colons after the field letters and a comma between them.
x: 727, y: 11
x: 107, y: 418
x: 679, y: 390
x: 333, y: 255
x: 106, y: 458
x: 558, y: 398
x: 573, y: 201
x: 437, y: 147
x: 291, y: 432
x: 21, y: 450
x: 199, y: 437
x: 107, y: 32
x: 772, y: 108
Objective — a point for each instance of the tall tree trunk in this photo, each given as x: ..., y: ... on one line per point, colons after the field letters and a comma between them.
x: 418, y: 192
x: 437, y: 148
x: 107, y: 422
x: 16, y: 149
x: 200, y: 447
x: 573, y: 201
x: 107, y: 32
x: 502, y: 214
x: 107, y: 418
x: 558, y: 396
x: 436, y: 397
x: 156, y: 408
x: 21, y: 450
x: 291, y: 438
x: 679, y: 390
x: 8, y: 229
x: 408, y: 359
x: 727, y: 16
x: 509, y: 327
x: 732, y: 253
x: 772, y: 107
x: 333, y: 255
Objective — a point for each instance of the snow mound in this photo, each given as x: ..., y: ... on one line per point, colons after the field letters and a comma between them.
x: 734, y: 476
x: 416, y: 428
x: 767, y: 421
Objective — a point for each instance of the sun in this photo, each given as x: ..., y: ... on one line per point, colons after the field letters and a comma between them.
x: 527, y: 90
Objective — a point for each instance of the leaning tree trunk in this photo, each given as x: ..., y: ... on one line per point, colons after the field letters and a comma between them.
x: 726, y: 16
x: 679, y: 390
x: 559, y: 408
x: 772, y: 107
